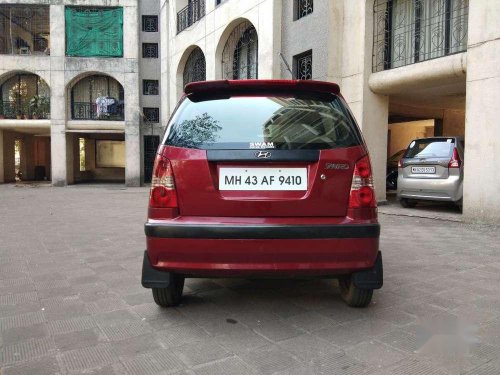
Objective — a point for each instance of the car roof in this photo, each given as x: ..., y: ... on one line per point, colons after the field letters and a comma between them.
x: 248, y: 86
x: 460, y: 138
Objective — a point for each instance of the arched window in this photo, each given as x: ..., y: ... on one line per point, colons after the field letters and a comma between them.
x: 240, y: 55
x: 195, y: 69
x: 97, y: 97
x: 24, y: 95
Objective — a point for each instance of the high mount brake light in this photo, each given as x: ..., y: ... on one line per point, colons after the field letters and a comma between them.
x: 249, y: 85
x: 362, y: 192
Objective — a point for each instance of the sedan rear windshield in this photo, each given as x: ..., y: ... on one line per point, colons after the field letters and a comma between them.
x: 430, y: 148
x: 263, y: 122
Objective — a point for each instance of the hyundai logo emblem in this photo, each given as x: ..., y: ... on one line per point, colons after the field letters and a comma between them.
x: 263, y: 154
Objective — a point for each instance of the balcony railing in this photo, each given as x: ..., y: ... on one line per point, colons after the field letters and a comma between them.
x: 410, y: 31
x: 192, y: 13
x: 89, y: 111
x: 23, y: 110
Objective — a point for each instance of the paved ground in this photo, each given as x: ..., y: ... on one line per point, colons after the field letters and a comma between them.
x: 71, y: 301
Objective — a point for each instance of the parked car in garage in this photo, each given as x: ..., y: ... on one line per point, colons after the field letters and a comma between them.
x: 391, y: 179
x: 260, y: 178
x: 432, y: 169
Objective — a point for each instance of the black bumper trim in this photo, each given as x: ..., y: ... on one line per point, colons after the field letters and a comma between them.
x: 262, y: 231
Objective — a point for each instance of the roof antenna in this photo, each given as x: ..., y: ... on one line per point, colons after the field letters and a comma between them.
x: 286, y: 64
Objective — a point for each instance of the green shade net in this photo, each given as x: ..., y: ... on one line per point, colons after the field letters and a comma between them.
x: 94, y: 32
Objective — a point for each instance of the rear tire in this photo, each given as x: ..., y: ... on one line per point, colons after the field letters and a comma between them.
x: 408, y: 203
x: 460, y: 205
x: 352, y: 295
x: 171, y: 295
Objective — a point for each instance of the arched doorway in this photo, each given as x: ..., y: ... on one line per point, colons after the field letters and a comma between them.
x: 240, y: 54
x: 195, y: 68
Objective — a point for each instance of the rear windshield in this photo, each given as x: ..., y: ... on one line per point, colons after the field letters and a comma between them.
x: 430, y: 148
x: 262, y: 122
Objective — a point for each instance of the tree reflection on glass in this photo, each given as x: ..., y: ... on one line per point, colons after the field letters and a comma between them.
x: 194, y: 133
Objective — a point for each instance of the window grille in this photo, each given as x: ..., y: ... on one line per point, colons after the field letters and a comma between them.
x: 409, y: 31
x: 240, y: 54
x: 304, y: 7
x: 303, y: 65
x: 151, y: 143
x: 192, y: 13
x: 151, y: 115
x: 24, y: 30
x: 150, y: 24
x: 150, y: 50
x: 150, y: 87
x: 195, y: 69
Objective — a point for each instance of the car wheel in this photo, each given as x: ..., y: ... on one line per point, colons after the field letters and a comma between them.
x: 171, y: 295
x: 352, y: 295
x: 408, y: 203
x: 460, y: 205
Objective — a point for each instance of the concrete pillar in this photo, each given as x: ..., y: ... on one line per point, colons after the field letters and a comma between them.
x: 370, y: 110
x: 58, y: 145
x: 29, y: 157
x: 9, y: 170
x: 132, y: 132
x: 58, y: 152
x: 70, y: 158
x: 2, y: 180
x: 482, y: 132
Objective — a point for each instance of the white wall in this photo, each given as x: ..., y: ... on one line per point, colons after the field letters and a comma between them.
x: 482, y: 130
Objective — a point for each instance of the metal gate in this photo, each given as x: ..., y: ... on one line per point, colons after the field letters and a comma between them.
x: 151, y: 143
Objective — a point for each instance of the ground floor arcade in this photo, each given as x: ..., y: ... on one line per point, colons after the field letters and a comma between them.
x: 40, y: 153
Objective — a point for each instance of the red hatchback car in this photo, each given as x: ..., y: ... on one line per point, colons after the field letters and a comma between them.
x: 261, y: 178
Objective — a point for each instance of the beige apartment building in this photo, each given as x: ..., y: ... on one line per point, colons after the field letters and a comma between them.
x: 79, y: 108
x: 79, y: 87
x: 407, y: 68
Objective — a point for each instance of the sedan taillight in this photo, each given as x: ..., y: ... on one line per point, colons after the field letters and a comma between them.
x: 455, y: 161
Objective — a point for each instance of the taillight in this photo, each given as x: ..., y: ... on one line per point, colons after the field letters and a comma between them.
x: 455, y: 161
x: 362, y: 201
x: 162, y: 197
x: 400, y: 163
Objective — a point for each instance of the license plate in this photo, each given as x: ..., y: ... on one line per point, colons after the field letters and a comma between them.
x: 423, y: 170
x: 263, y: 179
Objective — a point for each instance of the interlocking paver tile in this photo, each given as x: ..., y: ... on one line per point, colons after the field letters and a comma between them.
x: 277, y: 330
x: 229, y: 366
x: 87, y: 358
x: 26, y: 350
x: 40, y: 366
x: 269, y: 359
x: 201, y: 352
x: 22, y: 320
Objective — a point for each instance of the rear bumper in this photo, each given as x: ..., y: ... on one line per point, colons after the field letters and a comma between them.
x: 262, y: 250
x: 447, y: 189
